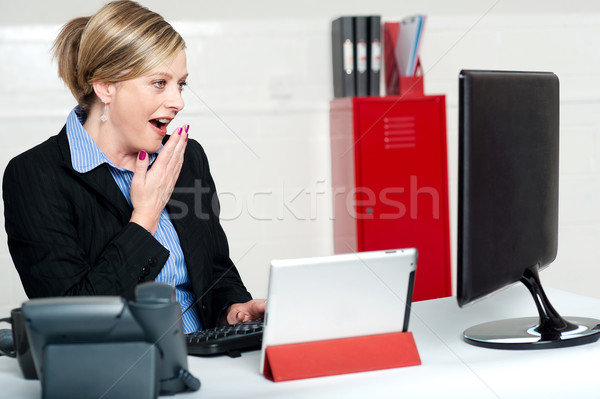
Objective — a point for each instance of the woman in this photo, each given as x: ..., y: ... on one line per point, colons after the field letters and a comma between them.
x: 112, y: 200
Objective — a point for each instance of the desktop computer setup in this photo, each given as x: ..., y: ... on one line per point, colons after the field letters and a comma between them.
x: 507, y: 233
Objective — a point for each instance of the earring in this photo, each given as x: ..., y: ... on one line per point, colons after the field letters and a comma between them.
x: 104, y: 117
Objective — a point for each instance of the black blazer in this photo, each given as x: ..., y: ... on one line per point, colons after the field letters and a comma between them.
x: 69, y: 233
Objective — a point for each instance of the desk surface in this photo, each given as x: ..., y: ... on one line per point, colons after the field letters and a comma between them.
x: 450, y: 369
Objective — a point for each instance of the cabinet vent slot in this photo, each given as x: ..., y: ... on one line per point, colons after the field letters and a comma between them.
x: 399, y: 132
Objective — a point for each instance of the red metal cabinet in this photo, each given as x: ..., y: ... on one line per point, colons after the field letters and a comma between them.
x: 390, y: 182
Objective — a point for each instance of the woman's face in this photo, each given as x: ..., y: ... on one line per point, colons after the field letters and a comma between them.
x: 141, y: 108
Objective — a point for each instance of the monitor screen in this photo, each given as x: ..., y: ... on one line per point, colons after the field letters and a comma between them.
x: 508, y: 200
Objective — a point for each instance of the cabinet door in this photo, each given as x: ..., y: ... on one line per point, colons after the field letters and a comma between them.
x: 402, y: 188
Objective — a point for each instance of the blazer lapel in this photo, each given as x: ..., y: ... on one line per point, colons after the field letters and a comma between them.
x: 99, y: 181
x: 182, y: 201
x: 194, y: 235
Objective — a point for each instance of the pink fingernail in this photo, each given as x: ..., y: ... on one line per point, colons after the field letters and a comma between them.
x: 187, y: 127
x: 179, y: 131
x: 186, y: 137
x: 142, y: 155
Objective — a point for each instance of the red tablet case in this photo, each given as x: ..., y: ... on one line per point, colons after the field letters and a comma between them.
x: 340, y: 356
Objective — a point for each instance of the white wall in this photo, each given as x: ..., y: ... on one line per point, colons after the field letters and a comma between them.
x: 258, y: 99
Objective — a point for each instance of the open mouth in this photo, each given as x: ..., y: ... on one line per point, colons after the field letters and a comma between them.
x: 160, y: 124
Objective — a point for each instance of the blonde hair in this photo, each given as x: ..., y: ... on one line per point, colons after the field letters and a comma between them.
x: 122, y: 41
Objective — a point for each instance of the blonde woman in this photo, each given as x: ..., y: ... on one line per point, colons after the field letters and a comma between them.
x: 113, y: 200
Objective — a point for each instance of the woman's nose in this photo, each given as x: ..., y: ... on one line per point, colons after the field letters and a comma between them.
x: 175, y: 100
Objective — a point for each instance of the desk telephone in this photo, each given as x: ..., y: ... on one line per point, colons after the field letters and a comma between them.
x: 89, y: 347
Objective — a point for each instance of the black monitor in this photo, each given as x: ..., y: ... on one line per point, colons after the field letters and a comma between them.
x: 508, y: 203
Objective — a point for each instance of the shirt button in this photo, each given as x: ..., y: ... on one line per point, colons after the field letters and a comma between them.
x: 146, y: 270
x: 152, y: 261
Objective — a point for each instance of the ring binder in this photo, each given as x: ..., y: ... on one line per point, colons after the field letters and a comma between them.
x: 342, y: 50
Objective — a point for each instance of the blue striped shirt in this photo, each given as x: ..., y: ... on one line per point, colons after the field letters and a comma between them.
x: 85, y: 156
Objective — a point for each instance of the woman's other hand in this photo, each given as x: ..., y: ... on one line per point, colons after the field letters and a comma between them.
x: 242, y: 312
x: 152, y: 189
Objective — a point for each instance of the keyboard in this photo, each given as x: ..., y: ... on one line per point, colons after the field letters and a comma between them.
x: 230, y: 340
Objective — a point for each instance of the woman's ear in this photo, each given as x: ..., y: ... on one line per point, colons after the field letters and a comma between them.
x: 104, y: 90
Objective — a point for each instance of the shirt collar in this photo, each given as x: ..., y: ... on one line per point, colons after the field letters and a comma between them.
x: 85, y: 153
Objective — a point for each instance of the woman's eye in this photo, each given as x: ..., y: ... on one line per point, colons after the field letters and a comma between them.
x: 181, y: 85
x: 159, y: 84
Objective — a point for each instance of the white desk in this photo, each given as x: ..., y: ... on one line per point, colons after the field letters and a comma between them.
x: 450, y: 369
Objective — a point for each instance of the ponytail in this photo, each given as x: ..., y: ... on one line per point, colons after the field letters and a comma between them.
x: 66, y: 53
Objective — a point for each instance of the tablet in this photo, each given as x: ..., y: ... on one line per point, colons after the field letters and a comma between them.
x: 338, y: 296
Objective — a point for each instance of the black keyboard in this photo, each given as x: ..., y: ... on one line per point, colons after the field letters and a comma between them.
x: 230, y: 340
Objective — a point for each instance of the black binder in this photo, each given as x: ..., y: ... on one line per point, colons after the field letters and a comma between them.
x: 342, y: 49
x: 374, y: 54
x: 361, y: 65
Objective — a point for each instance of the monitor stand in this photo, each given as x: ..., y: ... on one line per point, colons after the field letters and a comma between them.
x: 550, y: 330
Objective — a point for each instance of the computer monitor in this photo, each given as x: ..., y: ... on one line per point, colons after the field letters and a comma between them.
x: 508, y: 203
